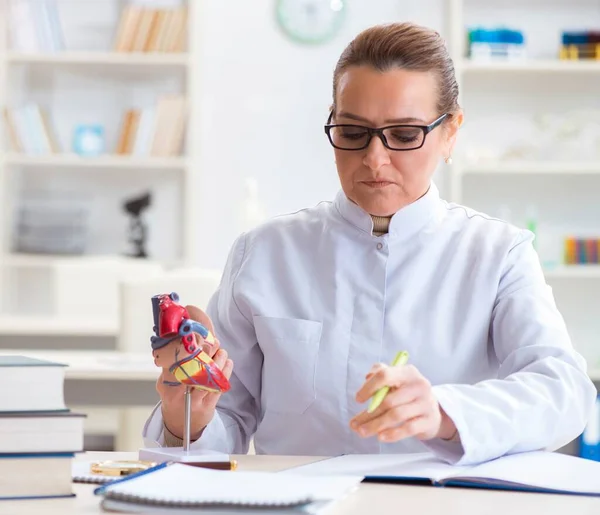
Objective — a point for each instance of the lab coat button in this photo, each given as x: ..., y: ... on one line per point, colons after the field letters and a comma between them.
x: 379, y: 246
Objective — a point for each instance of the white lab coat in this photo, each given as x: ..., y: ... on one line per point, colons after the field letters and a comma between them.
x: 310, y: 301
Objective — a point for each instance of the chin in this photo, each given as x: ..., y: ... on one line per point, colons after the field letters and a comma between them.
x: 379, y: 207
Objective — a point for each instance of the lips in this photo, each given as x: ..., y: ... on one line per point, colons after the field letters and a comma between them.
x: 377, y: 184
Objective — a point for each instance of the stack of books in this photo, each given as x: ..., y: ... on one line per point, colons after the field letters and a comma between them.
x: 39, y: 435
x: 156, y: 131
x: 143, y: 29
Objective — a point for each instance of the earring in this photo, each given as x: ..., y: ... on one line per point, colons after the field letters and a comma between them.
x: 448, y: 160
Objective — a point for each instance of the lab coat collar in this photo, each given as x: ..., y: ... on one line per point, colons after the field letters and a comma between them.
x: 404, y: 223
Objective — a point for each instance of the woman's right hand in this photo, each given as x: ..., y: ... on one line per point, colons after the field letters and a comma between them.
x: 203, y: 402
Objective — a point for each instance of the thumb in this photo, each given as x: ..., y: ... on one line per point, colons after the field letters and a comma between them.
x: 200, y: 316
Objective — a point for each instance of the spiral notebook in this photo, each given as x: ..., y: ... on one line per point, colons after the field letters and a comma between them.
x: 81, y: 472
x: 175, y: 484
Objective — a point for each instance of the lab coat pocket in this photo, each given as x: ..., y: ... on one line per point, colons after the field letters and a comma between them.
x: 290, y: 348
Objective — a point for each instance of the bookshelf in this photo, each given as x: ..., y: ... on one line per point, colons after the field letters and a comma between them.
x: 140, y: 57
x: 504, y: 99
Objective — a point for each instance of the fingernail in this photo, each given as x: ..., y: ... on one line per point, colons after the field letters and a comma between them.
x: 362, y: 431
x: 383, y: 437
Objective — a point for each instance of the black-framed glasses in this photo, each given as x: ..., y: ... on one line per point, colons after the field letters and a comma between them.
x: 394, y: 137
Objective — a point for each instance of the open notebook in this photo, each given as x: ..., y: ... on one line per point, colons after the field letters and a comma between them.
x: 532, y: 471
x: 178, y: 485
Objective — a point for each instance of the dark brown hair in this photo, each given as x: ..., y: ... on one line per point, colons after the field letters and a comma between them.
x: 407, y: 46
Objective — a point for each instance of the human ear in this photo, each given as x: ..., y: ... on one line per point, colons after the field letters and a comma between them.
x: 451, y: 130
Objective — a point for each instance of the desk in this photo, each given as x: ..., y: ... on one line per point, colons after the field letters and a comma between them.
x: 373, y: 499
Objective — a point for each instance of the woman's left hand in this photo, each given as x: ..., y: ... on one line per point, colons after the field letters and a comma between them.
x: 409, y: 409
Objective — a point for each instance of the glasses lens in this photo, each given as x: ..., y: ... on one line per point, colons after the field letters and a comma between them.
x: 349, y: 137
x: 404, y: 138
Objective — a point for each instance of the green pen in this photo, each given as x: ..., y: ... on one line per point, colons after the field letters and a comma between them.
x: 400, y: 359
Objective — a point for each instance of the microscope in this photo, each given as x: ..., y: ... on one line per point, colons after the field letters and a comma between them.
x: 137, y: 229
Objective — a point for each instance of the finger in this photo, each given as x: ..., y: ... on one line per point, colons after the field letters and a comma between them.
x: 228, y: 369
x: 375, y: 368
x: 392, y: 418
x: 396, y: 397
x: 414, y: 427
x: 385, y: 376
x: 200, y: 316
x: 210, y: 349
x: 221, y: 358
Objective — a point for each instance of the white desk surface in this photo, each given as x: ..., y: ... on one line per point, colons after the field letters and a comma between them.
x: 97, y: 365
x: 372, y: 499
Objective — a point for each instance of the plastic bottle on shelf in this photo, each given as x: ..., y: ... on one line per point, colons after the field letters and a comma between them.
x: 531, y: 222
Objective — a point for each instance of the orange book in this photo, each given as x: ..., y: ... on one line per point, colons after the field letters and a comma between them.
x: 176, y: 28
x: 161, y: 39
x: 181, y: 41
x: 125, y: 127
x: 130, y: 20
x: 143, y: 30
x: 155, y: 29
x: 132, y: 131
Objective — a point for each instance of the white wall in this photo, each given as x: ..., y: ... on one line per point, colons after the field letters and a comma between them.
x: 277, y: 93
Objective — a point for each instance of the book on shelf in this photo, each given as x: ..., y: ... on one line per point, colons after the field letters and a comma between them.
x: 30, y: 130
x: 39, y: 435
x: 156, y: 131
x: 34, y: 26
x: 146, y: 29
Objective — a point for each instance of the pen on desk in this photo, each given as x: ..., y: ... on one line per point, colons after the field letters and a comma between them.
x: 215, y: 465
x: 400, y: 359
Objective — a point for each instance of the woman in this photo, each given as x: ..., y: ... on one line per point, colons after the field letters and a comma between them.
x: 309, y: 302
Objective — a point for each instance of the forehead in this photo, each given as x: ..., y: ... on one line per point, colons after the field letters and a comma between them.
x: 395, y: 93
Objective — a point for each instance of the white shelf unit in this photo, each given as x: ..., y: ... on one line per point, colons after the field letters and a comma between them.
x: 563, y: 187
x: 182, y: 170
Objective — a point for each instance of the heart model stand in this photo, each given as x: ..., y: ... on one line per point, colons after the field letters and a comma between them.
x: 184, y: 362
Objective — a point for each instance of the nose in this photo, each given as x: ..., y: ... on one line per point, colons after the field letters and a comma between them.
x: 377, y: 155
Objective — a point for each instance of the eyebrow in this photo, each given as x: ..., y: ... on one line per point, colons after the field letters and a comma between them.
x: 351, y: 116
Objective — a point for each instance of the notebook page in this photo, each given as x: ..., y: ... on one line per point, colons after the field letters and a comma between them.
x: 181, y: 484
x: 412, y: 466
x: 540, y: 469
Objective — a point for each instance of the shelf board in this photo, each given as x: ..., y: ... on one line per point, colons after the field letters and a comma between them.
x: 531, y: 66
x: 31, y: 325
x: 23, y: 260
x: 107, y: 161
x: 534, y: 167
x: 573, y: 272
x: 138, y: 59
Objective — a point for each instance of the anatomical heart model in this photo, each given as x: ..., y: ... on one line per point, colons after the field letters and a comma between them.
x: 177, y: 347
